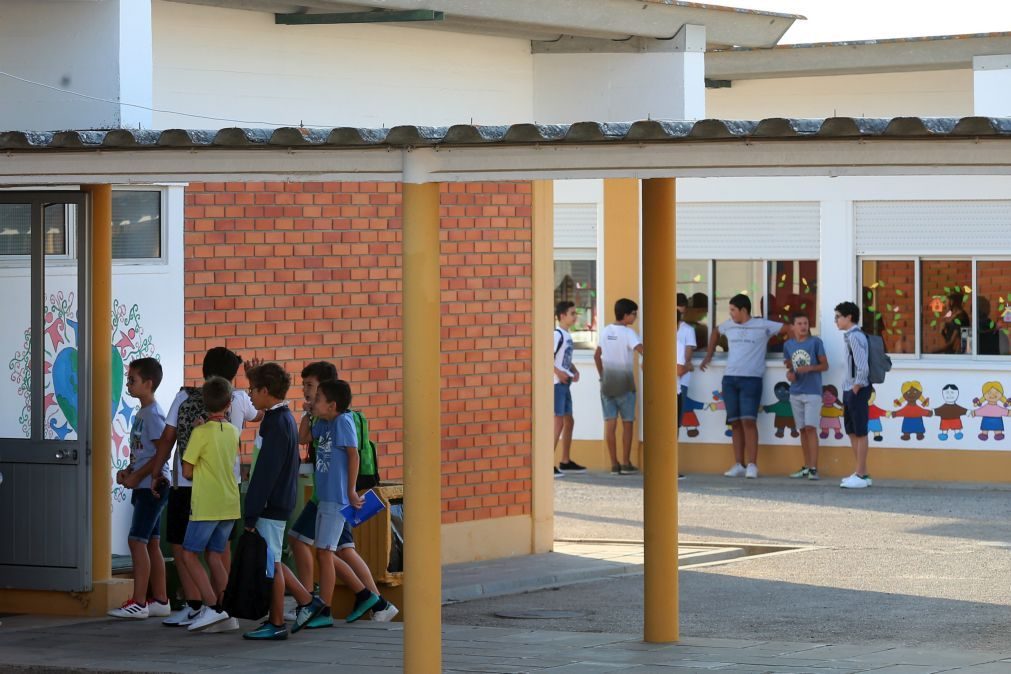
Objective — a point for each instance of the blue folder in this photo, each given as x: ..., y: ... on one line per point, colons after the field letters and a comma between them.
x: 372, y: 505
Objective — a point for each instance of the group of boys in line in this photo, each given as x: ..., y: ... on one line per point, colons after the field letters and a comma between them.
x: 746, y: 338
x: 199, y: 491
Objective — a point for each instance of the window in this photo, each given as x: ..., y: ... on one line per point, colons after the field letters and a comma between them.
x: 693, y: 283
x: 16, y: 229
x: 933, y: 306
x: 136, y: 225
x: 576, y: 282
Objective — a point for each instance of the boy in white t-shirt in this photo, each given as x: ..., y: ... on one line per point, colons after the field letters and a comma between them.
x: 685, y: 349
x: 565, y: 374
x: 615, y: 362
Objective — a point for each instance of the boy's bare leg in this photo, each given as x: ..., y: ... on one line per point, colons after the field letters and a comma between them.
x: 626, y: 441
x: 750, y: 431
x: 559, y: 426
x: 610, y: 430
x: 327, y: 574
x: 302, y: 552
x: 192, y: 562
x: 737, y: 439
x: 277, y: 595
x: 568, y: 425
x: 219, y: 572
x: 354, y: 561
x: 811, y: 453
x: 860, y: 453
x: 141, y: 570
x: 157, y: 572
x: 294, y: 587
x: 190, y: 591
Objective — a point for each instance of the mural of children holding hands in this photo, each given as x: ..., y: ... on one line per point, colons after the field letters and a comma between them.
x: 990, y: 412
x: 831, y: 412
x: 874, y: 416
x: 782, y: 410
x: 949, y: 413
x: 912, y: 414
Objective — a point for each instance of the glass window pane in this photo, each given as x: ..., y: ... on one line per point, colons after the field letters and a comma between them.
x: 733, y: 277
x: 15, y: 229
x: 60, y: 372
x: 693, y: 285
x: 887, y: 303
x: 945, y: 296
x: 993, y: 306
x: 56, y: 229
x: 793, y: 287
x: 136, y: 225
x: 576, y: 281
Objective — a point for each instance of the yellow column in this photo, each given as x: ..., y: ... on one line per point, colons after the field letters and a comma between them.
x: 659, y: 405
x: 422, y: 431
x: 542, y: 460
x: 620, y: 250
x: 101, y: 381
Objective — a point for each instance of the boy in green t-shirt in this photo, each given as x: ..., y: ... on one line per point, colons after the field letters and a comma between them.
x: 208, y: 462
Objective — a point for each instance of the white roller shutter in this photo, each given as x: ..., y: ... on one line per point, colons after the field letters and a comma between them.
x: 576, y: 226
x: 932, y: 227
x: 749, y: 230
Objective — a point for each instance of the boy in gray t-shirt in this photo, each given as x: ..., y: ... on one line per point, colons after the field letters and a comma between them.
x: 805, y: 360
x: 747, y: 340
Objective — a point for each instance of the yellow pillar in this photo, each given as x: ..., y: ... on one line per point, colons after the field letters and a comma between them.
x: 422, y: 431
x: 101, y: 380
x: 659, y: 405
x: 620, y: 250
x: 542, y: 460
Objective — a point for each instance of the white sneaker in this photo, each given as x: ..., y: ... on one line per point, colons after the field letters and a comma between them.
x: 229, y: 625
x: 751, y: 472
x: 855, y: 482
x: 387, y: 614
x: 183, y: 616
x: 206, y: 618
x: 130, y: 609
x: 291, y: 615
x: 737, y: 470
x: 156, y: 609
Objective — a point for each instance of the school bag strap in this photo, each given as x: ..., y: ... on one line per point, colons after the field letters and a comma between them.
x: 561, y: 340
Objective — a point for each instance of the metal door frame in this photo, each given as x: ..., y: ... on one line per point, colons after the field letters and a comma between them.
x: 37, y: 449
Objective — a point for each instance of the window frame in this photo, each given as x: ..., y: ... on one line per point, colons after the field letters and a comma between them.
x: 56, y: 259
x: 162, y: 258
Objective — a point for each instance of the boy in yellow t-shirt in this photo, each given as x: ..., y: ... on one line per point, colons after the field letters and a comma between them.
x: 208, y: 462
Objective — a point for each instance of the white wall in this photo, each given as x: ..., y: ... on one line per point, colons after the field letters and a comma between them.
x: 944, y: 93
x: 991, y: 81
x: 240, y: 65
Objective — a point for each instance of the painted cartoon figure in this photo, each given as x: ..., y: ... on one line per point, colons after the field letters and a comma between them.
x: 831, y: 412
x: 990, y: 412
x: 874, y: 416
x: 949, y: 413
x: 912, y: 414
x: 690, y: 420
x: 783, y: 410
x: 718, y: 404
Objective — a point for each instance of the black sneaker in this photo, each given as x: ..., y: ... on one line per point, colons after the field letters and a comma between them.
x: 628, y: 468
x: 616, y: 469
x: 558, y: 473
x: 572, y: 467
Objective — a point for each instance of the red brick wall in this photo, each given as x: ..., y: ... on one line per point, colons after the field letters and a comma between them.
x: 295, y: 272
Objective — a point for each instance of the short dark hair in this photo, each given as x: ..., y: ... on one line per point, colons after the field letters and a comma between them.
x: 624, y: 307
x: 741, y: 301
x: 221, y: 362
x: 562, y: 307
x: 848, y: 309
x: 798, y: 314
x: 682, y: 300
x: 781, y: 386
x: 320, y: 370
x: 149, y: 369
x: 336, y: 391
x: 272, y: 377
x: 949, y: 387
x: 679, y: 315
x: 217, y: 392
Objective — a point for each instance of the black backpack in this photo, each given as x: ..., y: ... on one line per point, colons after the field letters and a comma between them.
x: 190, y: 410
x: 248, y: 592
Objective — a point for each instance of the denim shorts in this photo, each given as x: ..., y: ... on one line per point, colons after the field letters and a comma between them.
x: 209, y: 535
x: 856, y: 411
x: 146, y: 521
x: 623, y: 405
x: 330, y: 526
x: 304, y: 528
x: 272, y: 531
x: 563, y: 400
x: 742, y: 396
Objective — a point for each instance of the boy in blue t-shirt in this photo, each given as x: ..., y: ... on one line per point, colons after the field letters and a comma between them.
x: 805, y: 359
x: 336, y: 474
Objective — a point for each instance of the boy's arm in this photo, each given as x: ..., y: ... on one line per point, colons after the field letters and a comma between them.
x: 599, y: 362
x: 353, y: 464
x: 305, y: 430
x: 821, y: 366
x: 163, y: 446
x: 714, y: 337
x: 689, y: 353
x: 187, y: 469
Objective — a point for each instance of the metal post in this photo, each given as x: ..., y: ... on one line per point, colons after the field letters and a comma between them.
x: 422, y: 431
x: 659, y: 405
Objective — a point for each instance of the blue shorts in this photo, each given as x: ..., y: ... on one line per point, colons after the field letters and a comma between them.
x: 332, y: 530
x: 742, y: 396
x: 272, y: 531
x: 209, y: 535
x: 623, y: 405
x: 304, y: 528
x: 146, y: 521
x: 856, y: 411
x: 563, y: 400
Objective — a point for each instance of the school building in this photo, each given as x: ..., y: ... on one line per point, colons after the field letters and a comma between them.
x: 362, y: 187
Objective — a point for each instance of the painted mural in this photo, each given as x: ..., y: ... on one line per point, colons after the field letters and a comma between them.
x: 129, y: 342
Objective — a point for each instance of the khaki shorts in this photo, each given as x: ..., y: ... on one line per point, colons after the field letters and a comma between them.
x: 806, y: 410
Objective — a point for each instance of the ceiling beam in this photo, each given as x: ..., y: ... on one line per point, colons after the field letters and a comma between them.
x: 373, y: 16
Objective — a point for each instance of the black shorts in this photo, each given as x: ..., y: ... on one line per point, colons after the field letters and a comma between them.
x: 178, y: 514
x: 856, y: 411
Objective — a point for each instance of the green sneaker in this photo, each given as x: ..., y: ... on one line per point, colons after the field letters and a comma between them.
x: 803, y: 472
x: 362, y: 608
x: 320, y: 621
x: 307, y: 613
x: 267, y: 632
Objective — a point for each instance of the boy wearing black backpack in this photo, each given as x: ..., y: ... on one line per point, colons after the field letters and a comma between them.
x: 565, y: 374
x: 856, y: 391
